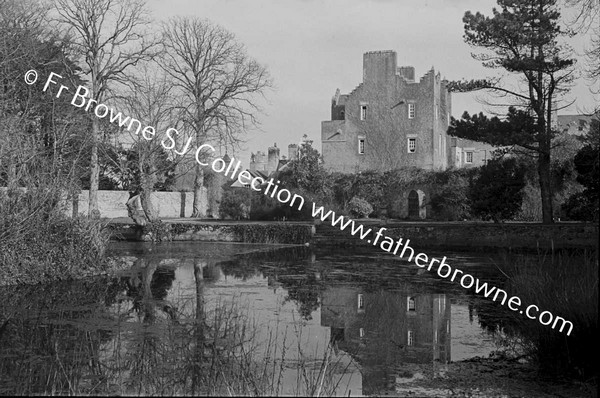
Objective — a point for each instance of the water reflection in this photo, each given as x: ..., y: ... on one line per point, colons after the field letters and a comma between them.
x: 228, y: 319
x: 389, y: 332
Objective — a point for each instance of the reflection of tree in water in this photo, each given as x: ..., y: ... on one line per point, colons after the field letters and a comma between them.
x: 305, y: 280
x: 119, y: 336
x: 192, y: 348
x: 282, y: 268
x: 41, y: 349
x: 248, y: 265
x: 149, y: 286
x: 306, y: 293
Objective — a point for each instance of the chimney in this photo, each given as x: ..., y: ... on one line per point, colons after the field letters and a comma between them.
x: 292, y: 152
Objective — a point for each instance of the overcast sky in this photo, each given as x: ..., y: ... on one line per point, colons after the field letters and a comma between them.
x: 313, y: 47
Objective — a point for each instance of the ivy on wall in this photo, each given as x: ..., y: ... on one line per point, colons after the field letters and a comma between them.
x: 247, y: 233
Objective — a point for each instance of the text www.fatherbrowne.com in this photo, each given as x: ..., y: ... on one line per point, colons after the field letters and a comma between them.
x: 444, y: 270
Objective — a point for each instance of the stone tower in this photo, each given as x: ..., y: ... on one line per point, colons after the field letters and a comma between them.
x: 273, y: 158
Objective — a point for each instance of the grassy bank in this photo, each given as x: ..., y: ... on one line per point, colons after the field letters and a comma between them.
x: 38, y: 242
x: 566, y: 284
x: 217, y: 231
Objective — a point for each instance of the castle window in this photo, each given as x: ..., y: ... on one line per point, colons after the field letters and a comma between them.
x: 343, y: 115
x: 410, y: 305
x: 411, y: 111
x: 361, y: 332
x: 412, y: 145
x: 361, y: 146
x: 361, y: 302
x: 363, y: 112
x: 411, y: 338
x: 468, y: 157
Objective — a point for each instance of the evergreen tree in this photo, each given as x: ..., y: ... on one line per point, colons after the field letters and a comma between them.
x: 496, y: 194
x: 521, y: 37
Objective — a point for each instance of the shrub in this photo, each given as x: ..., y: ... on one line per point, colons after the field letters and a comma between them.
x: 235, y: 204
x: 157, y: 231
x: 581, y: 207
x: 584, y: 205
x: 359, y: 207
x: 370, y: 186
x: 497, y: 193
x: 451, y: 201
x: 264, y: 208
x: 38, y: 242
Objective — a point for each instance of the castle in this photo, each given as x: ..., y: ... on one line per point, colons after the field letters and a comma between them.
x: 390, y: 120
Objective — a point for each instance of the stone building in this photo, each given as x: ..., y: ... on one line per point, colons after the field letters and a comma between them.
x: 575, y: 124
x: 392, y: 120
x: 273, y: 161
x: 388, y: 333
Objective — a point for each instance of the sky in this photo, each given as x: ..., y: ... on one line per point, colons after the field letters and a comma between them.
x: 313, y: 47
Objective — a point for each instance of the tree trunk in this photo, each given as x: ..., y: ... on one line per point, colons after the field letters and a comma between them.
x: 148, y: 182
x: 198, y: 192
x: 545, y: 177
x: 94, y: 172
x: 146, y: 201
x: 12, y: 182
x: 199, y: 326
x: 75, y: 201
x: 149, y: 303
x: 133, y: 210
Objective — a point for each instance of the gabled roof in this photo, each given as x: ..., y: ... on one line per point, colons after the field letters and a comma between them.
x: 254, y: 174
x: 282, y: 165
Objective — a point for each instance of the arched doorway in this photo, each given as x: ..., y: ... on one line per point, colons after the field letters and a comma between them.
x: 413, y: 204
x: 416, y: 205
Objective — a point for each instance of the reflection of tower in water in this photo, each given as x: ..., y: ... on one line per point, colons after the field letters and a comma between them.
x: 394, y: 335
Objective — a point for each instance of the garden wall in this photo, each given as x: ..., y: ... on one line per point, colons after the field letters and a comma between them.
x: 471, y: 235
x: 112, y: 204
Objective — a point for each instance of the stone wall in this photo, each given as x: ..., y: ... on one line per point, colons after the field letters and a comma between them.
x: 471, y: 235
x: 509, y: 235
x: 111, y: 204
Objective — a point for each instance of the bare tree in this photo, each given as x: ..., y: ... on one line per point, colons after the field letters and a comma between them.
x: 217, y: 83
x: 150, y: 98
x: 20, y: 33
x: 111, y: 37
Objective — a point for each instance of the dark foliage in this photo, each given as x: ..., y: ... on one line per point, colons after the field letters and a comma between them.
x: 235, y: 203
x: 451, y: 201
x: 584, y: 205
x: 566, y: 284
x: 496, y: 194
x: 38, y: 242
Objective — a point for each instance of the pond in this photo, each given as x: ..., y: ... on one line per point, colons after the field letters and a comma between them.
x: 217, y: 318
